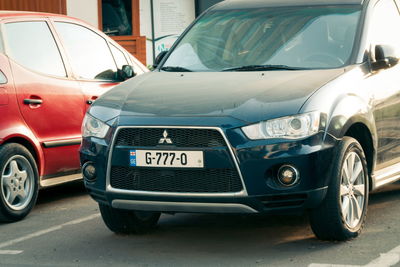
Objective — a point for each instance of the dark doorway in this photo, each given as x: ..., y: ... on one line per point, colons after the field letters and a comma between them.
x: 117, y: 17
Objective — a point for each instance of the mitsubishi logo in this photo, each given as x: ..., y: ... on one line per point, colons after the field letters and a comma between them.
x: 165, y: 138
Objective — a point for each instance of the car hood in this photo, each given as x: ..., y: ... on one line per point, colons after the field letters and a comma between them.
x: 246, y: 96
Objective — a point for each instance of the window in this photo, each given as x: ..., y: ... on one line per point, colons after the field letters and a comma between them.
x: 119, y: 57
x: 88, y: 52
x: 32, y: 45
x: 117, y: 17
x: 3, y: 78
x: 384, y: 19
x: 301, y: 37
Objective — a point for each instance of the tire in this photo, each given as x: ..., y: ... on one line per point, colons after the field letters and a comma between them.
x: 19, y: 182
x: 341, y: 215
x: 128, y: 221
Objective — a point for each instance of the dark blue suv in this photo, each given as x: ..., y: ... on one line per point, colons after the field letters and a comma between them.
x: 260, y: 107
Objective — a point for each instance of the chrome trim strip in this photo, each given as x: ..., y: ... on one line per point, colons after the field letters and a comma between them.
x: 386, y: 176
x: 60, y: 180
x: 69, y: 142
x: 182, y: 206
x: 109, y: 188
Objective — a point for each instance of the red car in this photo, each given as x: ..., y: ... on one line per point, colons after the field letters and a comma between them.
x: 52, y: 67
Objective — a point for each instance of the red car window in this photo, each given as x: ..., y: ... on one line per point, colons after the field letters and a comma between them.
x: 84, y: 47
x: 31, y: 44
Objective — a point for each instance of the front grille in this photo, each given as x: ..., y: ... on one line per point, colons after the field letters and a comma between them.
x: 150, y: 137
x: 178, y: 180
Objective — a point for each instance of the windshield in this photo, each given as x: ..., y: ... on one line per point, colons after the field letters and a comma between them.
x: 275, y: 38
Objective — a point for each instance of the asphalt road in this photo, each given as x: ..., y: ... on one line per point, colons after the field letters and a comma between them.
x: 65, y: 229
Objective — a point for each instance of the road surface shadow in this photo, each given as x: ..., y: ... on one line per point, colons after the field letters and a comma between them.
x: 65, y: 191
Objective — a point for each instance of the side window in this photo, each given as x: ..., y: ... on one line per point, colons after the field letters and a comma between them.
x: 3, y: 78
x: 32, y: 45
x: 119, y: 57
x: 385, y: 18
x: 88, y: 52
x: 1, y: 43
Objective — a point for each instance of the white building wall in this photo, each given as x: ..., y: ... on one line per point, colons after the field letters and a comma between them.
x: 86, y: 10
x: 145, y: 28
x: 171, y: 17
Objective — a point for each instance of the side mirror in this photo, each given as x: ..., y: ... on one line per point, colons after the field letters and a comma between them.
x: 126, y: 72
x: 386, y: 56
x: 159, y: 58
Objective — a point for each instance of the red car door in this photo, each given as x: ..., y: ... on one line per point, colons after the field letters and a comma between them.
x: 51, y: 102
x: 96, y: 74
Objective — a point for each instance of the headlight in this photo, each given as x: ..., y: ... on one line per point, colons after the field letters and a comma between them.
x: 292, y: 127
x: 94, y: 127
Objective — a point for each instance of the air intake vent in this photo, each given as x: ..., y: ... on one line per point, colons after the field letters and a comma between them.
x: 178, y: 181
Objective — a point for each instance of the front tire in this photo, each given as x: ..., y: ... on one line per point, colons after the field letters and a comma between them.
x: 19, y: 182
x: 341, y: 215
x: 127, y: 221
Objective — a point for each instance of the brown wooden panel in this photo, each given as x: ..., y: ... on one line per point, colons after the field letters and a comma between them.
x: 136, y: 45
x: 135, y: 18
x: 100, y: 14
x: 51, y: 6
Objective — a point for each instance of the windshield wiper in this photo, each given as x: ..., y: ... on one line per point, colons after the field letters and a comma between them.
x: 175, y: 69
x: 263, y: 67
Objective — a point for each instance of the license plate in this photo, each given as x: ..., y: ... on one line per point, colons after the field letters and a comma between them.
x: 166, y: 159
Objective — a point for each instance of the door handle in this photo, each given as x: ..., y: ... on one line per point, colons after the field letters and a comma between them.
x: 33, y: 101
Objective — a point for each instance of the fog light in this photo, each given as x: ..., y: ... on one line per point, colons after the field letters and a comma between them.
x: 288, y: 175
x: 89, y: 172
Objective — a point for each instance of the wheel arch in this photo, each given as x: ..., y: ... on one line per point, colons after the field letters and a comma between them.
x: 33, y: 148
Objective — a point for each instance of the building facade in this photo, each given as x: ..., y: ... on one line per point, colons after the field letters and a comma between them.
x: 143, y: 27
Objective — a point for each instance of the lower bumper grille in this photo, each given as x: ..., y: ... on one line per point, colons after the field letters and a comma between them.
x: 177, y: 181
x: 284, y: 201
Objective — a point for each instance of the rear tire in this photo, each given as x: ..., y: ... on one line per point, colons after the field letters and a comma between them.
x: 19, y: 182
x: 341, y: 215
x: 127, y: 221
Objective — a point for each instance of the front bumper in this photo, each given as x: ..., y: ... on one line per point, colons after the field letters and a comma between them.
x: 268, y: 204
x: 256, y: 162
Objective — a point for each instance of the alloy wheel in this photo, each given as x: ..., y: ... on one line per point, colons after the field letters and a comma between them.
x: 352, y: 190
x: 17, y: 182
